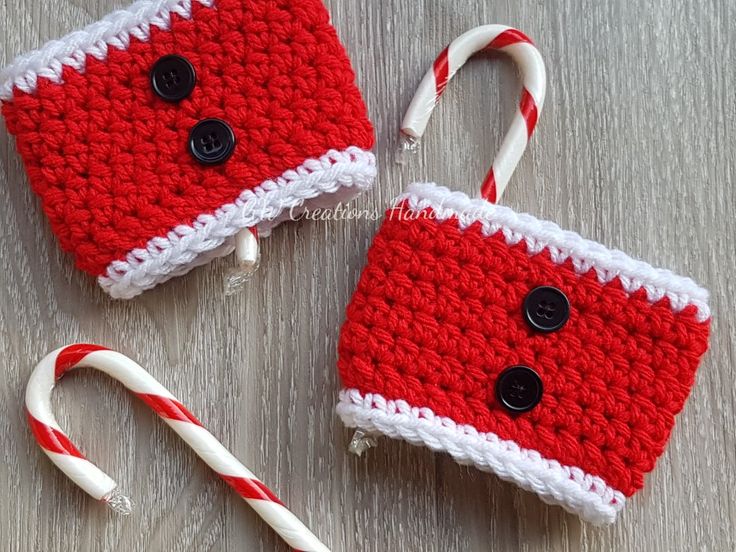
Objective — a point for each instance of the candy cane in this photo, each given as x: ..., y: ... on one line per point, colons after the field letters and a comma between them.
x: 248, y: 257
x: 98, y: 484
x: 533, y: 75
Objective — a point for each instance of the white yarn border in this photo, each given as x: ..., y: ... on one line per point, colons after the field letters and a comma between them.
x: 586, y: 495
x: 113, y: 31
x: 561, y: 244
x: 336, y: 177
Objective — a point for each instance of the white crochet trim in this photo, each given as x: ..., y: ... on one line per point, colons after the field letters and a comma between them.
x: 562, y: 245
x: 335, y: 177
x: 115, y: 30
x: 586, y: 495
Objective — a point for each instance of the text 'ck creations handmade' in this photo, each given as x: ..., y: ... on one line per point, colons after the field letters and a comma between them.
x: 512, y: 344
x: 175, y: 131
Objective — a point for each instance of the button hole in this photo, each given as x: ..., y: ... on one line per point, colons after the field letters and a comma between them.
x: 171, y: 79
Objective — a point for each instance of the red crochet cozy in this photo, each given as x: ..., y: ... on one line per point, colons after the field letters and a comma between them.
x: 520, y: 348
x: 158, y: 133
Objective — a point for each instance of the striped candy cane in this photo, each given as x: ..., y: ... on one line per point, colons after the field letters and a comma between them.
x: 98, y: 484
x: 534, y: 79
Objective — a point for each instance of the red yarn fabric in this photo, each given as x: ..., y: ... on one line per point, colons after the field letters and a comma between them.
x: 109, y: 158
x: 437, y: 315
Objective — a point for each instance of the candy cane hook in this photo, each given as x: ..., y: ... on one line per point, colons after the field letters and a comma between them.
x: 533, y: 75
x: 98, y: 484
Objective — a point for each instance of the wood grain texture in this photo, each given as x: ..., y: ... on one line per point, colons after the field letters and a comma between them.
x: 634, y: 149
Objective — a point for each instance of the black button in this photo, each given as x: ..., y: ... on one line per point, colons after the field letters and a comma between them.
x: 211, y: 141
x: 173, y: 78
x: 546, y: 309
x: 519, y: 389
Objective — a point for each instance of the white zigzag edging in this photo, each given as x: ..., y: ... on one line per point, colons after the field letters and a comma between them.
x: 113, y: 31
x: 585, y: 495
x: 335, y: 177
x: 561, y: 244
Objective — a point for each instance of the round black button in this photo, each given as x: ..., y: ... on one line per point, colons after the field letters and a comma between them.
x: 546, y: 309
x: 211, y: 141
x: 519, y: 389
x: 173, y: 78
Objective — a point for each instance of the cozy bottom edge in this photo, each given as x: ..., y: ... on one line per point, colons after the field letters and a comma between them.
x: 580, y: 493
x: 334, y: 178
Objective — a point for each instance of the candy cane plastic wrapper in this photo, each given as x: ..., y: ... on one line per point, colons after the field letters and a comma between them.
x: 99, y: 485
x: 533, y: 75
x: 248, y: 258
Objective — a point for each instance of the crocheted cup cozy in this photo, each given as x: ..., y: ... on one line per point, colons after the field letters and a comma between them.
x: 104, y: 120
x: 438, y: 317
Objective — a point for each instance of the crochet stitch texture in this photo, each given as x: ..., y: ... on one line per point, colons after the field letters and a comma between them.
x: 109, y: 158
x: 437, y: 316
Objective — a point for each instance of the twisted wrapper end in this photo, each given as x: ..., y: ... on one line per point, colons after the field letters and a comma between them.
x: 119, y: 503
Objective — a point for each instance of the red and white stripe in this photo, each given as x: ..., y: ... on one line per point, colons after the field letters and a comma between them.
x: 534, y: 81
x: 98, y: 484
x: 248, y: 257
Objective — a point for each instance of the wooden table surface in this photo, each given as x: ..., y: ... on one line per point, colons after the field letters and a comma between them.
x: 635, y: 149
